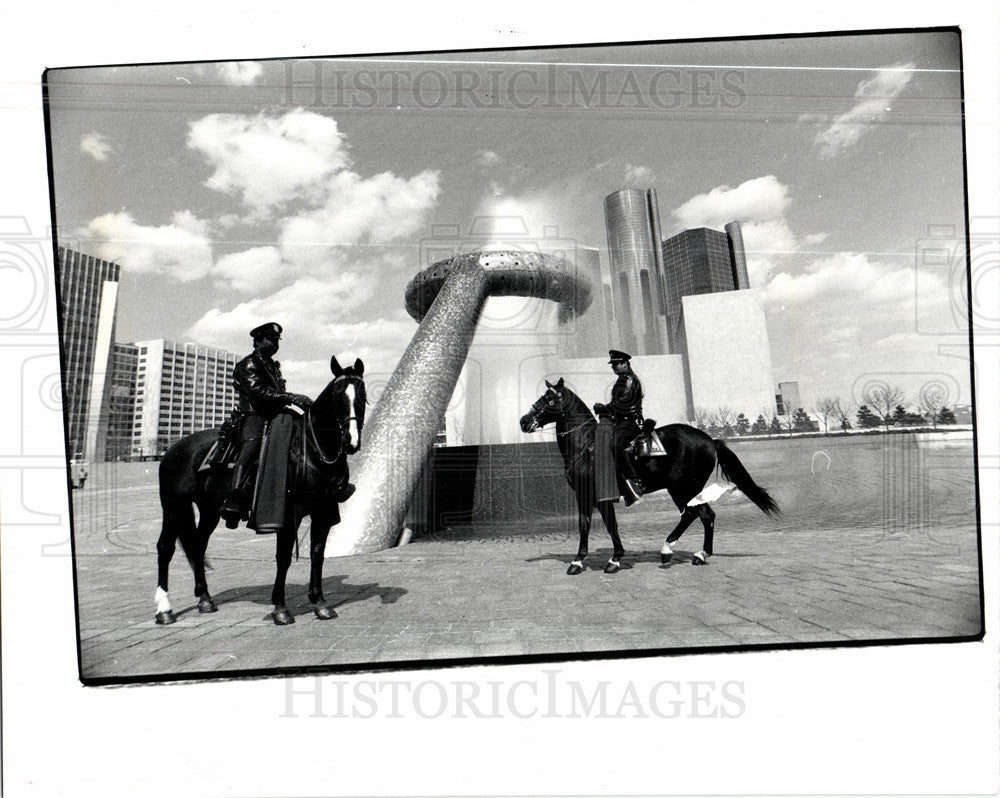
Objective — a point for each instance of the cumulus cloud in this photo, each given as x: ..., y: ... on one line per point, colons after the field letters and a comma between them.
x: 759, y: 205
x: 375, y: 210
x: 270, y: 161
x: 312, y: 303
x: 855, y: 277
x: 314, y: 329
x: 830, y: 316
x: 297, y: 166
x: 97, y: 146
x: 638, y: 176
x: 874, y: 97
x: 760, y: 199
x: 240, y: 73
x: 254, y: 269
x: 180, y: 249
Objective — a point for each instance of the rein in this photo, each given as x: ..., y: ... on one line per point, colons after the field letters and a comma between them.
x: 571, y: 464
x: 311, y: 433
x: 579, y: 426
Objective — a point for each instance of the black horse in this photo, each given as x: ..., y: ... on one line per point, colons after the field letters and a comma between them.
x: 329, y: 430
x: 691, y: 457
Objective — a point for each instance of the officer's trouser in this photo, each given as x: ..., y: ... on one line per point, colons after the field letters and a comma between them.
x: 241, y: 485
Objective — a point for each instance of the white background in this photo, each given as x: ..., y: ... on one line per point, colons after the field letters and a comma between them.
x: 902, y: 719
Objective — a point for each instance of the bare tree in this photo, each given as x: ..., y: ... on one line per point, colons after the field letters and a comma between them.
x: 932, y: 398
x: 826, y: 408
x: 882, y: 398
x: 724, y: 418
x: 702, y: 418
x: 843, y: 409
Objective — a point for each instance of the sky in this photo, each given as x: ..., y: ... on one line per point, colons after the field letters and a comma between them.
x: 310, y: 192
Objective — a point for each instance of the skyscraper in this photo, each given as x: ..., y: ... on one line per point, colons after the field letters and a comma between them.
x: 692, y: 284
x: 633, y: 227
x: 88, y: 297
x: 700, y: 261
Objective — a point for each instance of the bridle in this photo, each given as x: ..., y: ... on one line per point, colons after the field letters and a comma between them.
x: 342, y: 425
x: 538, y: 407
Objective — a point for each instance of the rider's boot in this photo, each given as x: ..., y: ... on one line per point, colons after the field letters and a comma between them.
x: 234, y: 507
x: 633, y: 483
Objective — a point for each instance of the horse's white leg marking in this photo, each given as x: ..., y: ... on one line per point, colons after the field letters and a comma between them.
x: 577, y: 562
x: 665, y: 548
x: 162, y: 601
x: 353, y: 425
x: 700, y: 555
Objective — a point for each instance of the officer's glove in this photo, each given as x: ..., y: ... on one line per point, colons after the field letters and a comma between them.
x: 300, y: 400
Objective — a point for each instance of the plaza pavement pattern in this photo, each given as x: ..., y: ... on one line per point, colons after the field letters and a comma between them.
x: 838, y: 567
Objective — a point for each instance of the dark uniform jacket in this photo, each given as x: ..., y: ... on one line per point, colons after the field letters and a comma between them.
x: 260, y: 386
x: 626, y: 398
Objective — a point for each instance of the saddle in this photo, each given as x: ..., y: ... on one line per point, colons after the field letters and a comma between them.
x: 646, y: 444
x: 221, y: 456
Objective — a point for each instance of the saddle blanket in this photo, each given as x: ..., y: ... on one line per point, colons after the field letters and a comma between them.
x: 710, y: 493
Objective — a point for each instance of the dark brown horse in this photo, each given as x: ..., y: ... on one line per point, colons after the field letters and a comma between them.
x: 691, y: 457
x: 329, y: 430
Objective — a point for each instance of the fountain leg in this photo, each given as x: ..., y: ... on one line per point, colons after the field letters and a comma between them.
x: 400, y: 433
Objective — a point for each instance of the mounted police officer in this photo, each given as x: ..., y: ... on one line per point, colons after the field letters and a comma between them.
x: 262, y: 396
x: 620, y: 422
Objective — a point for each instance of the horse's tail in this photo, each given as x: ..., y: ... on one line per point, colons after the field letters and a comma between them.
x: 733, y: 470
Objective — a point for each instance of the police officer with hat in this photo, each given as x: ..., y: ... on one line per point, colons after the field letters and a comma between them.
x: 261, y: 396
x: 620, y: 421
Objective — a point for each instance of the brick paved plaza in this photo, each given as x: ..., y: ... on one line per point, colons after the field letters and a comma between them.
x: 856, y: 556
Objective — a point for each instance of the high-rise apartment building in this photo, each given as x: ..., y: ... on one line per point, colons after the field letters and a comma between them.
x: 88, y: 297
x: 121, y: 404
x: 180, y: 388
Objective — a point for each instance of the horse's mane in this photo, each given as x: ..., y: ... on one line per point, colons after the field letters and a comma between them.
x: 577, y: 404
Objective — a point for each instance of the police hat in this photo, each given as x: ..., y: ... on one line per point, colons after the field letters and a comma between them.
x: 619, y: 357
x: 270, y: 330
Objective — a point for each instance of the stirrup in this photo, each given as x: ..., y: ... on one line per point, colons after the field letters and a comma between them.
x: 634, y: 490
x: 345, y: 492
x: 231, y: 513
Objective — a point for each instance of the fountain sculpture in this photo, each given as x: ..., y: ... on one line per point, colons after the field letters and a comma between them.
x: 447, y: 299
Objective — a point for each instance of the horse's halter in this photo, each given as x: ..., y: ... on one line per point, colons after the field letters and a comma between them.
x: 343, y: 424
x: 549, y: 404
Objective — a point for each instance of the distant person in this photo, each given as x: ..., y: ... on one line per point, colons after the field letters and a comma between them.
x: 619, y: 423
x: 262, y: 396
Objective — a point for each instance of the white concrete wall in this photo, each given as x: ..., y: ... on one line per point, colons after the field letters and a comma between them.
x: 729, y: 355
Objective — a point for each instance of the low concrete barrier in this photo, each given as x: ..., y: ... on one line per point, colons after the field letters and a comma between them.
x: 894, y: 480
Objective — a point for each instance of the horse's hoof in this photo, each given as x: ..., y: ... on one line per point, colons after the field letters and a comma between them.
x: 698, y: 559
x: 282, y: 617
x: 325, y: 613
x: 575, y: 568
x: 612, y: 567
x: 165, y: 618
x: 207, y: 605
x: 665, y: 558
